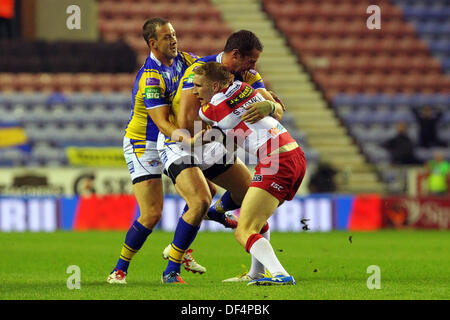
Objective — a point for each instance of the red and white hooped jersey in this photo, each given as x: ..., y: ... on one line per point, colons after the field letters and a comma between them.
x: 225, y: 111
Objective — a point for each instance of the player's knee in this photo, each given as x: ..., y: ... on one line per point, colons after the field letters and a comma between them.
x: 150, y: 217
x: 200, y: 204
x: 203, y: 203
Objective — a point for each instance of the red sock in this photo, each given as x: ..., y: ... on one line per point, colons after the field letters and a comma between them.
x: 251, y: 240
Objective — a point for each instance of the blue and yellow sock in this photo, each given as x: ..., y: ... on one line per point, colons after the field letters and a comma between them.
x: 135, y: 238
x: 184, y: 236
x: 217, y: 211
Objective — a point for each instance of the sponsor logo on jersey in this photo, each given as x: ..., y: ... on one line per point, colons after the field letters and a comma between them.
x: 153, y: 93
x: 154, y: 163
x: 257, y: 178
x: 276, y: 186
x: 166, y: 74
x: 190, y: 78
x: 244, y: 94
x: 152, y: 82
x: 274, y: 132
x: 205, y: 107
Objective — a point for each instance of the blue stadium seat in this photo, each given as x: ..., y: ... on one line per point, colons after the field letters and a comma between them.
x: 342, y: 99
x: 440, y: 47
x: 376, y: 154
x: 405, y: 116
x: 446, y: 65
x: 401, y: 99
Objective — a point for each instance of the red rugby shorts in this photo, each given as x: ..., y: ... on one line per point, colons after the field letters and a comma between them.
x: 281, y: 174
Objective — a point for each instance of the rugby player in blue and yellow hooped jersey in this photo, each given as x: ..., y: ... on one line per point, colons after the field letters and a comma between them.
x: 153, y: 92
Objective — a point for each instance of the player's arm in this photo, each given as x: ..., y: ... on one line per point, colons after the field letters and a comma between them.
x: 188, y: 110
x: 160, y: 117
x: 152, y: 89
x: 259, y: 110
x: 278, y: 111
x: 272, y: 106
x: 277, y: 99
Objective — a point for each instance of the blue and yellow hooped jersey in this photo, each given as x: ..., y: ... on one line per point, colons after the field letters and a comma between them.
x: 252, y: 77
x: 155, y: 86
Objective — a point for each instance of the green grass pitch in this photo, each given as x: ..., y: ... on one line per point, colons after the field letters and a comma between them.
x: 412, y: 264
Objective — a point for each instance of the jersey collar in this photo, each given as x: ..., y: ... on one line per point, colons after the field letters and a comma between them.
x: 219, y: 57
x: 152, y: 56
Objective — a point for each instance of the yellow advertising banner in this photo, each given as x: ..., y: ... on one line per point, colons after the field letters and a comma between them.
x: 12, y: 136
x: 95, y: 157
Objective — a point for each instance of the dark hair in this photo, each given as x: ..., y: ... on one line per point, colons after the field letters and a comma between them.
x: 243, y: 40
x: 149, y: 28
x: 215, y: 71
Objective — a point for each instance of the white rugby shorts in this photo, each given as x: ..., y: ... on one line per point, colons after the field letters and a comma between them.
x: 142, y: 159
x: 204, y: 157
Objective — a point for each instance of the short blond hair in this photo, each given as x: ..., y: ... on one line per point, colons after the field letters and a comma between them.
x: 215, y: 72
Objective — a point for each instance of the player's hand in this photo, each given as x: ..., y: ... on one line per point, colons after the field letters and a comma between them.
x: 256, y: 111
x: 277, y: 99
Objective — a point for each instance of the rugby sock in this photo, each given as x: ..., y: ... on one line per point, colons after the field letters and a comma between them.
x: 184, y: 236
x: 257, y: 268
x: 262, y: 250
x: 217, y: 211
x: 135, y: 238
x: 186, y: 208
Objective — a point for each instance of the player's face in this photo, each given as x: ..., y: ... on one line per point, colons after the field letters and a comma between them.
x: 204, y: 90
x: 166, y: 43
x: 241, y: 63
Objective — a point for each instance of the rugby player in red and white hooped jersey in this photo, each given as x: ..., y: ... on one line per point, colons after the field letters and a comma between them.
x: 281, y: 162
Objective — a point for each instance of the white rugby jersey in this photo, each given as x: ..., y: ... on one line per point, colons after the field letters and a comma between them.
x: 225, y: 111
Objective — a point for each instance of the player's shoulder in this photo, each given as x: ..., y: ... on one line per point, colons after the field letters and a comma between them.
x: 253, y: 78
x: 151, y: 64
x: 210, y: 58
x: 197, y: 63
x: 227, y: 94
x: 187, y: 81
x: 187, y: 57
x: 150, y: 74
x: 218, y: 98
x: 235, y: 87
x: 201, y: 61
x: 251, y: 74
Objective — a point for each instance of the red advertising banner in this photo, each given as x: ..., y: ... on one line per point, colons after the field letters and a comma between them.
x: 112, y: 212
x: 416, y: 212
x: 366, y: 213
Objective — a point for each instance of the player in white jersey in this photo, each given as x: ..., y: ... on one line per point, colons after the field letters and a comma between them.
x: 281, y: 162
